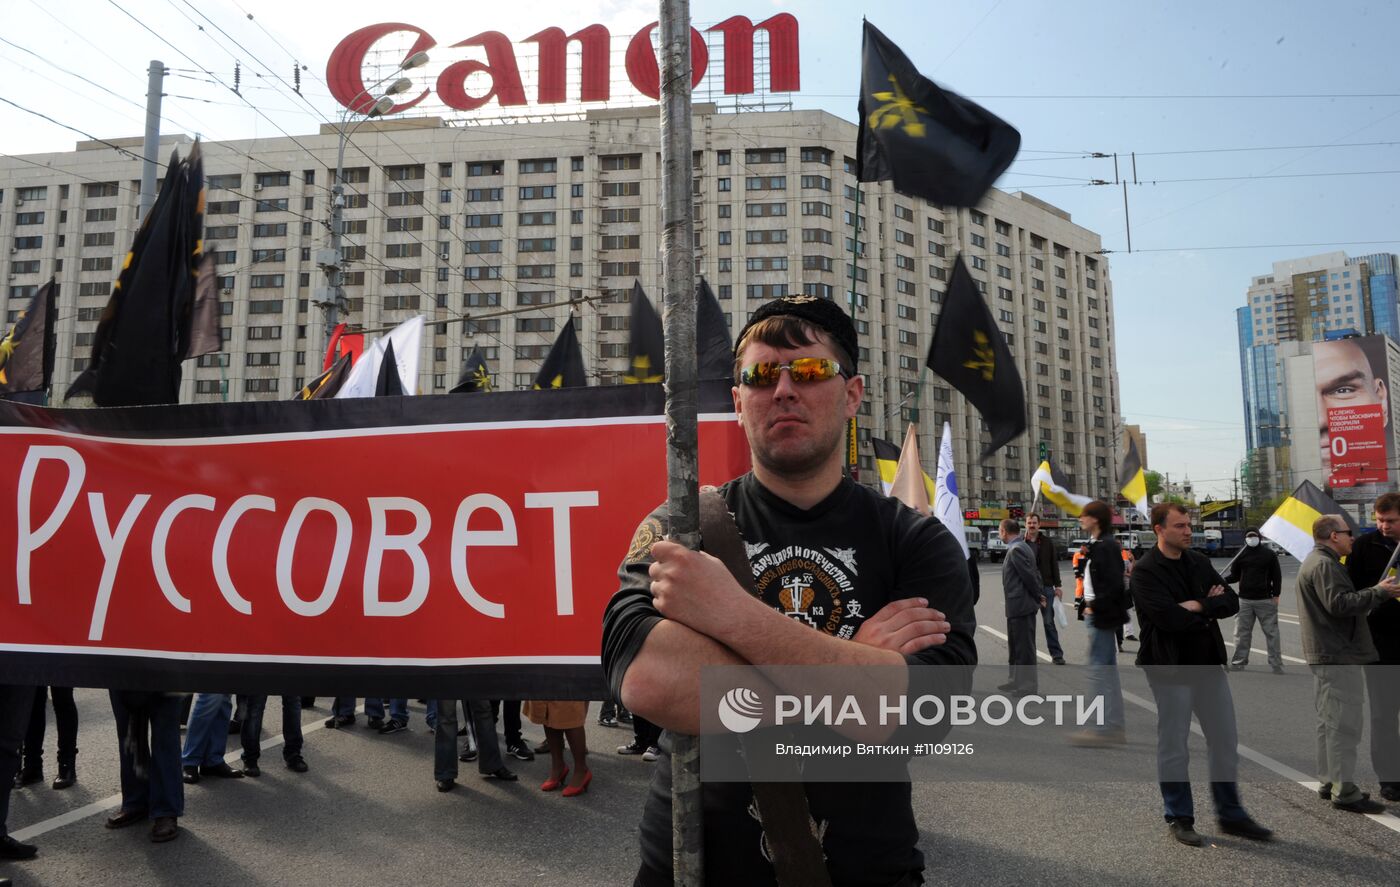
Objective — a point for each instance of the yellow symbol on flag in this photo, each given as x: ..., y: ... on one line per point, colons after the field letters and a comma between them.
x: 482, y: 379
x: 640, y: 364
x: 984, y: 358
x: 7, y: 350
x: 898, y: 110
x: 556, y: 382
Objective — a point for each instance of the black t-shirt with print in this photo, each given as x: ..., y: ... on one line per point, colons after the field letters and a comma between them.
x: 829, y: 567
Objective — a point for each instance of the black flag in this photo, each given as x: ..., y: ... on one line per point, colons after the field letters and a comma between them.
x: 146, y: 329
x: 646, y: 352
x: 26, y: 352
x: 712, y: 340
x: 324, y: 386
x: 931, y: 142
x: 970, y: 352
x: 388, y: 384
x: 563, y: 366
x: 476, y: 377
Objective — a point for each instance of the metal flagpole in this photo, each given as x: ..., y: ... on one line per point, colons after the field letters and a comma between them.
x: 682, y: 435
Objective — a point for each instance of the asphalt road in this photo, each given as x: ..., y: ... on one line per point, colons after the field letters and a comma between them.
x: 367, y: 813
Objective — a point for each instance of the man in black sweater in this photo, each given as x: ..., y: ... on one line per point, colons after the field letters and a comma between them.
x: 1179, y: 597
x: 1260, y: 579
x: 1369, y: 557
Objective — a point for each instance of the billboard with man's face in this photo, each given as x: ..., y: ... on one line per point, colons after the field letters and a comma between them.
x: 1353, y: 410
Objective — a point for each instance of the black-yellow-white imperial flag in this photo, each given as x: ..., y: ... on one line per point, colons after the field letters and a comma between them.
x: 646, y: 351
x: 970, y: 352
x: 27, y: 350
x: 930, y: 142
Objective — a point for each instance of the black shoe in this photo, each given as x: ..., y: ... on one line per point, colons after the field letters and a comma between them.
x: 1363, y: 804
x: 1185, y: 832
x: 1246, y: 828
x: 468, y: 756
x: 335, y: 722
x: 165, y: 828
x: 1278, y: 669
x: 519, y: 751
x: 191, y: 775
x: 632, y: 748
x: 543, y: 747
x: 501, y: 773
x: 251, y: 768
x: 446, y: 785
x: 1058, y: 660
x: 607, y: 721
x: 12, y: 849
x: 1007, y: 687
x: 393, y: 725
x: 1238, y: 666
x: 124, y: 818
x: 624, y: 716
x: 297, y: 764
x: 222, y: 770
x: 67, y: 775
x: 376, y: 723
x: 1391, y: 791
x: 29, y: 776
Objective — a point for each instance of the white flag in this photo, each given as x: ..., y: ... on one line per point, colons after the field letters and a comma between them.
x: 407, y: 338
x: 946, y: 505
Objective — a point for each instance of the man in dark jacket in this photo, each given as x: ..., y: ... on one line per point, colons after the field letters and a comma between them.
x: 1179, y: 597
x: 1020, y: 580
x: 1047, y: 560
x: 1366, y: 564
x: 1257, y: 571
x: 1105, y: 610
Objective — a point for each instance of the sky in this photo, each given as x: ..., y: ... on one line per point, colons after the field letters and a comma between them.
x: 1262, y: 131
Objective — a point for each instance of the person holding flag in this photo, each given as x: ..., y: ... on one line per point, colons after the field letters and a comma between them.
x: 1336, y: 643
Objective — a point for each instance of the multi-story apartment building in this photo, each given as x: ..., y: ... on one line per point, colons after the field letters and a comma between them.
x: 497, y: 233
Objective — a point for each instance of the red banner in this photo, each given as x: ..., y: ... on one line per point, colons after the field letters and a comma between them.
x: 417, y: 551
x: 1356, y: 438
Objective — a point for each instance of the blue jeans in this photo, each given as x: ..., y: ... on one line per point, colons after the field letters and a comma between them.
x: 251, y: 733
x: 374, y: 707
x: 15, y: 703
x: 1205, y: 693
x: 1103, y: 674
x: 206, y: 736
x: 161, y: 792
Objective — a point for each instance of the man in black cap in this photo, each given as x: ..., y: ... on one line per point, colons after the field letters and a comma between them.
x: 836, y: 563
x: 1260, y: 579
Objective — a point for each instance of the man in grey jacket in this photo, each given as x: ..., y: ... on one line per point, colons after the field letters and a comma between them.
x: 1336, y: 644
x: 1025, y: 596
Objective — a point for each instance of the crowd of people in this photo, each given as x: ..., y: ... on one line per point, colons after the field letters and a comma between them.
x: 894, y: 592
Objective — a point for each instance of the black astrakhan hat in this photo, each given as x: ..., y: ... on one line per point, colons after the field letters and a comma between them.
x: 823, y: 313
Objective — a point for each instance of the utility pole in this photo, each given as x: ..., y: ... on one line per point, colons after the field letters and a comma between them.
x: 150, y: 148
x: 682, y: 430
x: 331, y: 260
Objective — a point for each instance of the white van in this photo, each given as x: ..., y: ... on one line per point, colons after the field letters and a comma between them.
x: 974, y: 542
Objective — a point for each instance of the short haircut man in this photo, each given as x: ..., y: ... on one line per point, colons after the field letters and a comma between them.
x: 844, y: 576
x: 1346, y: 377
x: 1336, y: 644
x: 1179, y: 598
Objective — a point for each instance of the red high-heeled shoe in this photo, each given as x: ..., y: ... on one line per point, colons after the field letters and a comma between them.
x: 573, y: 791
x: 550, y: 785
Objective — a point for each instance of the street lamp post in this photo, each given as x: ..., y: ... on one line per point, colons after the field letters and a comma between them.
x: 331, y: 259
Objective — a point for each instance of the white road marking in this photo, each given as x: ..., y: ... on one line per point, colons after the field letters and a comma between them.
x: 114, y: 802
x: 1388, y: 820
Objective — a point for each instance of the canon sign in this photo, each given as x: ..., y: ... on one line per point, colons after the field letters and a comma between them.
x: 344, y: 71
